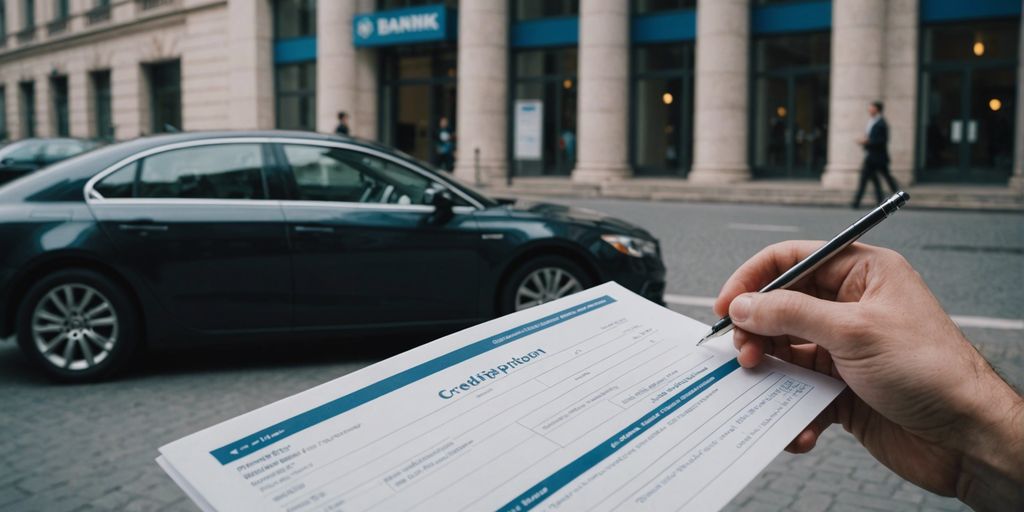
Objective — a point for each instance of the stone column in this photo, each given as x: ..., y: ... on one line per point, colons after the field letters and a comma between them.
x: 251, y: 64
x: 858, y: 32
x: 482, y: 88
x: 81, y: 116
x: 343, y: 73
x: 602, y: 118
x: 129, y: 95
x: 46, y: 122
x: 721, y: 118
x: 899, y: 86
x: 13, y: 110
x: 1017, y: 180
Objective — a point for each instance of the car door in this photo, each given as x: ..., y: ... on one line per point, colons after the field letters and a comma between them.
x: 366, y: 250
x: 195, y: 223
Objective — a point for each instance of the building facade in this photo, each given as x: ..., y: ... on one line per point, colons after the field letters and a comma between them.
x: 593, y: 91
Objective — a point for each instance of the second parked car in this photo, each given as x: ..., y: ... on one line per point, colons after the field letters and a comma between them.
x: 28, y: 155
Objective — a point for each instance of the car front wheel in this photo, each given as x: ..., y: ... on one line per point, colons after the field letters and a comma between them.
x: 543, y: 280
x: 78, y: 325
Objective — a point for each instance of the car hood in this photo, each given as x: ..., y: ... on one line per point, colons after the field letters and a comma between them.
x: 578, y: 216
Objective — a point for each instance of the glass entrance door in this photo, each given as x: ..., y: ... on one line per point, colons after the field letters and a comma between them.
x: 791, y: 125
x: 418, y: 91
x: 968, y: 121
x: 968, y: 103
x: 790, y: 105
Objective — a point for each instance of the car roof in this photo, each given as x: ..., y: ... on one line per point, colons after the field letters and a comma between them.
x: 65, y: 180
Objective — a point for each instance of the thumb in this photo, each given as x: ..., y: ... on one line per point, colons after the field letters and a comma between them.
x: 785, y: 312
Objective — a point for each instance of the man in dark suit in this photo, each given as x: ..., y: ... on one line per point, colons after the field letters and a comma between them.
x: 876, y: 155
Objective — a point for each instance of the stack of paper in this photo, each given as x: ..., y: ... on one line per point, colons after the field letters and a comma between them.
x: 598, y: 401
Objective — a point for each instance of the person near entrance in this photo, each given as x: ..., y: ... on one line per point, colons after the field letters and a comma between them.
x: 876, y: 155
x: 445, y: 145
x: 342, y: 128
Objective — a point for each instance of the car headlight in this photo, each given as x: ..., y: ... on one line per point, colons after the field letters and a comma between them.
x: 632, y: 246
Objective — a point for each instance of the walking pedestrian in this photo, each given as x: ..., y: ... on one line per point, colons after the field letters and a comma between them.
x: 445, y: 145
x: 342, y: 128
x: 876, y: 155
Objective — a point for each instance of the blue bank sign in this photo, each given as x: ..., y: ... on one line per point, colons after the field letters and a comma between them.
x: 401, y: 26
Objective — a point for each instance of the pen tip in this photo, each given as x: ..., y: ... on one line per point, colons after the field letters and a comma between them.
x: 702, y: 340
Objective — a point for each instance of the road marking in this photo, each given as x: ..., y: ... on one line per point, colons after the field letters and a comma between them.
x: 982, y: 322
x: 764, y: 227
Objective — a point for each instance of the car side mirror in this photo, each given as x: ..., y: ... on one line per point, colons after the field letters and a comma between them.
x: 444, y: 205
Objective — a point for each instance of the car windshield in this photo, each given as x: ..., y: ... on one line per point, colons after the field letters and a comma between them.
x: 20, y: 151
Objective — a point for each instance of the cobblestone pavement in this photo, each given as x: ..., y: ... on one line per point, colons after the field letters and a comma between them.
x: 91, y: 448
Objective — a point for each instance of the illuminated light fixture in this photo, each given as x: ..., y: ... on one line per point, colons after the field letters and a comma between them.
x: 781, y: 111
x: 979, y: 48
x: 667, y: 98
x: 995, y: 104
x: 567, y: 84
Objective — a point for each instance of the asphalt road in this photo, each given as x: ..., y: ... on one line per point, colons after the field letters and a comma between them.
x: 91, y: 448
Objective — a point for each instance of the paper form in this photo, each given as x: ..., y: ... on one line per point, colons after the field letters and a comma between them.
x: 597, y: 401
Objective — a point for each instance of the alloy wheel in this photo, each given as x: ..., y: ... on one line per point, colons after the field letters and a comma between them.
x: 75, y: 327
x: 544, y: 285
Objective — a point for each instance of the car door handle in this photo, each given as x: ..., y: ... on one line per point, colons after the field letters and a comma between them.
x: 314, y: 229
x: 142, y: 228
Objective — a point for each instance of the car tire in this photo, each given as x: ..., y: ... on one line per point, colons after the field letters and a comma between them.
x: 547, y: 277
x: 78, y: 325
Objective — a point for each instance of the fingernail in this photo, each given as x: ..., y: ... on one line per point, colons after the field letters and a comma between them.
x: 739, y: 310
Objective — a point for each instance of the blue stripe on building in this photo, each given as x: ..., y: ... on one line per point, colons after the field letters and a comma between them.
x: 664, y: 27
x: 796, y: 17
x: 546, y: 32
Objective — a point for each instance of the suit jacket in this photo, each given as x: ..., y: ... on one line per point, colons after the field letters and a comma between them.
x: 877, y: 146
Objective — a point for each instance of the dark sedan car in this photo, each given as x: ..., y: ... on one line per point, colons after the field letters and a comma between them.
x: 29, y: 155
x: 238, y: 236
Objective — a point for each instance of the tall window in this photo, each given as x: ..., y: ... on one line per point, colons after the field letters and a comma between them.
x: 296, y: 96
x: 28, y: 14
x: 60, y: 9
x: 548, y: 76
x: 102, y: 104
x: 59, y: 95
x: 294, y: 18
x: 27, y: 91
x: 534, y: 9
x: 968, y: 101
x: 791, y: 84
x: 3, y: 114
x: 165, y: 96
x: 3, y: 24
x: 663, y: 109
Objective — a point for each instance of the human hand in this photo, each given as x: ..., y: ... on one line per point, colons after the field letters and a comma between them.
x: 920, y: 399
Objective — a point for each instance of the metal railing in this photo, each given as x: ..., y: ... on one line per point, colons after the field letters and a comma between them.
x: 97, y: 14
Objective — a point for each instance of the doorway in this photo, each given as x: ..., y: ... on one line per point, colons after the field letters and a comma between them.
x: 790, y: 115
x: 164, y: 96
x: 418, y: 90
x: 968, y: 103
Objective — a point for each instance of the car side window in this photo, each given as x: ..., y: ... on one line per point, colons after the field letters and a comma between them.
x: 332, y: 174
x: 220, y: 171
x: 120, y: 183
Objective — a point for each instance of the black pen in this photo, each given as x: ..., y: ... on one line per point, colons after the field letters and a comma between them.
x: 816, y: 258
